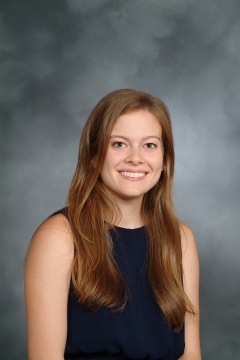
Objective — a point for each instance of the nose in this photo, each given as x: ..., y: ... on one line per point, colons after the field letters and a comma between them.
x: 134, y: 156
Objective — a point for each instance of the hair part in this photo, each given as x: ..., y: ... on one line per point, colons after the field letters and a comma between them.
x: 91, y: 211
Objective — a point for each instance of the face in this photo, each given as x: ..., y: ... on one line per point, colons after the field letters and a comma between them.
x: 134, y: 159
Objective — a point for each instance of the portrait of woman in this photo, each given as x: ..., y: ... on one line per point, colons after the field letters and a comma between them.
x: 115, y: 274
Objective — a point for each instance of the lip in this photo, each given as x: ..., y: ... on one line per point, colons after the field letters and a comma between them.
x: 128, y: 174
x: 133, y: 170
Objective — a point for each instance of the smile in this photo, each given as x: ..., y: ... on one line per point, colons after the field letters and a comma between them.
x: 132, y: 174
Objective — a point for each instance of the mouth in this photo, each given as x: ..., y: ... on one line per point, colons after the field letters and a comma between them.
x: 134, y: 175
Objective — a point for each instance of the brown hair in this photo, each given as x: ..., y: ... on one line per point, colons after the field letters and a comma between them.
x: 95, y: 274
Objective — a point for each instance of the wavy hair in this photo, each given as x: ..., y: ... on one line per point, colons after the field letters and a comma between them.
x: 95, y: 274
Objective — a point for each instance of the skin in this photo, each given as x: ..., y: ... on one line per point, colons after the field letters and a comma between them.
x: 47, y: 279
x: 135, y: 147
x: 190, y: 263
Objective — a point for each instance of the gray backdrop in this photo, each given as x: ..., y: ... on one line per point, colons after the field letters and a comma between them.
x: 58, y: 58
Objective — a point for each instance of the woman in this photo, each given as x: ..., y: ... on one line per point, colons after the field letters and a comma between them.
x: 114, y: 275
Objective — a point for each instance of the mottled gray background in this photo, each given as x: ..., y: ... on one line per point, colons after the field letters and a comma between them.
x: 58, y: 58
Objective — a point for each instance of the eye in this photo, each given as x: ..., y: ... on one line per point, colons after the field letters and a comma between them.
x: 118, y: 144
x: 150, y: 145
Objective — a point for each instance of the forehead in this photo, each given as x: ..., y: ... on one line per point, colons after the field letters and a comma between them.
x: 140, y: 121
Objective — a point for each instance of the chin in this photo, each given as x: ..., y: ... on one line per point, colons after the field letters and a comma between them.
x: 131, y: 195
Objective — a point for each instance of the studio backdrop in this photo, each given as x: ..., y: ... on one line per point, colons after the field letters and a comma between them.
x: 58, y: 59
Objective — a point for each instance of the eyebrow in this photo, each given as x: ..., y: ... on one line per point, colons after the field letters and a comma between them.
x: 127, y: 138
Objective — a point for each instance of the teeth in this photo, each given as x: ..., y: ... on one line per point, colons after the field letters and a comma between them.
x: 132, y: 174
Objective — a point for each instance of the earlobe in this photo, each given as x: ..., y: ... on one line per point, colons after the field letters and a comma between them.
x: 94, y: 162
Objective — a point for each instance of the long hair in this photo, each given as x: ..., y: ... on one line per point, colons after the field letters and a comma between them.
x: 95, y: 275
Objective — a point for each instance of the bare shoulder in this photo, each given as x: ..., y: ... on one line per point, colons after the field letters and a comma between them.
x: 51, y: 244
x: 54, y: 231
x: 187, y: 238
x: 55, y: 224
x: 190, y: 262
x: 190, y: 265
x: 46, y: 282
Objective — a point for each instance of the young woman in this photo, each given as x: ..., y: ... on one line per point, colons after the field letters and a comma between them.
x: 115, y: 274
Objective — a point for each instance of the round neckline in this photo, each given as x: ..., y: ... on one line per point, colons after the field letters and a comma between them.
x: 123, y: 228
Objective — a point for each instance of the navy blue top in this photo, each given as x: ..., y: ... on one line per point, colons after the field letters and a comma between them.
x: 139, y: 332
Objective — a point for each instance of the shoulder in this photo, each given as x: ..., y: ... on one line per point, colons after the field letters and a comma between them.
x: 190, y: 260
x: 46, y: 283
x: 52, y: 238
x: 190, y: 263
x: 54, y: 227
x: 56, y: 222
x: 187, y: 239
x: 49, y: 259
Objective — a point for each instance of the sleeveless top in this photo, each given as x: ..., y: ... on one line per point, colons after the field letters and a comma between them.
x: 137, y: 332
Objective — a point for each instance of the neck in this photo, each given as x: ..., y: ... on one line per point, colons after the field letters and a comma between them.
x: 131, y: 216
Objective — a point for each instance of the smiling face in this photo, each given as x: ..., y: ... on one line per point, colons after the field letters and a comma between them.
x: 134, y: 159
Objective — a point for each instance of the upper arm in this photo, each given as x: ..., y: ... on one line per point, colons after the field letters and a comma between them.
x: 46, y: 284
x: 190, y: 263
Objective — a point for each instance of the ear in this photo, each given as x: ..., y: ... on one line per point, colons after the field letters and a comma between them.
x: 94, y: 162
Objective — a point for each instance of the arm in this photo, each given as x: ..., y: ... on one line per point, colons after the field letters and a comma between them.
x: 191, y: 286
x: 47, y: 278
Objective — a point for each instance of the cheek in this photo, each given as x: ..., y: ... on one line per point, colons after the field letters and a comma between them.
x: 109, y: 163
x: 157, y: 161
x: 113, y: 158
x: 107, y: 160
